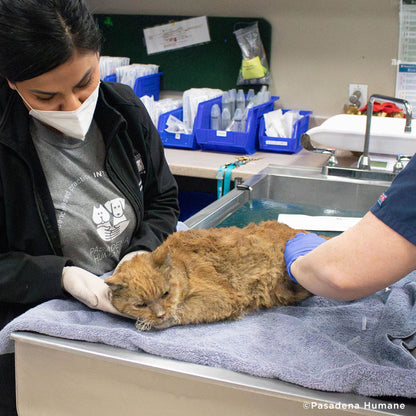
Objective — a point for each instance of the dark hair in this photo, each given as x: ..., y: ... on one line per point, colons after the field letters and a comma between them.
x: 36, y: 36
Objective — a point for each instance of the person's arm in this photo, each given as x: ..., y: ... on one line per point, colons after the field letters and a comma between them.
x: 161, y: 207
x: 29, y: 279
x: 88, y: 288
x: 364, y: 259
x: 160, y: 191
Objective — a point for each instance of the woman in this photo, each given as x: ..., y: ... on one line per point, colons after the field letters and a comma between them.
x: 83, y: 178
x: 378, y: 251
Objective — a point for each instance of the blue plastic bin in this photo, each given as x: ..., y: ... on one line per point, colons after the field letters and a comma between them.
x: 284, y: 144
x: 229, y: 141
x: 110, y: 78
x: 147, y: 85
x: 179, y: 140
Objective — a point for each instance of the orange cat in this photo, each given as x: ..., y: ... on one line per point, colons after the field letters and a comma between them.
x: 207, y: 275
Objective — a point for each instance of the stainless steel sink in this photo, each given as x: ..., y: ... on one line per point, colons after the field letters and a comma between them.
x: 299, y: 186
x: 295, y: 185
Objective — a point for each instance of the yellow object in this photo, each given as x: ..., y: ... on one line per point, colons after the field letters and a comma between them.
x: 253, y: 68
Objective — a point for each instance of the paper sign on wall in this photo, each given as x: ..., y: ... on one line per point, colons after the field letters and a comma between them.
x: 177, y: 35
x: 406, y: 62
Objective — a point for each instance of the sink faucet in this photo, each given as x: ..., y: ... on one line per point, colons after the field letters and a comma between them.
x: 364, y: 161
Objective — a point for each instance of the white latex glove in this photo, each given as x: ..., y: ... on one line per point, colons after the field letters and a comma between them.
x: 129, y: 256
x: 88, y: 289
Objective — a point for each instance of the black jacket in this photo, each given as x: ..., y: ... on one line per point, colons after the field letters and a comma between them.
x: 31, y: 259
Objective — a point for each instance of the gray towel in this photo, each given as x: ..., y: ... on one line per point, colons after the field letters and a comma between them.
x: 360, y: 347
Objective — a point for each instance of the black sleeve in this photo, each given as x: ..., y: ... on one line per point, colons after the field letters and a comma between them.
x: 160, y: 191
x: 29, y: 279
x: 25, y: 277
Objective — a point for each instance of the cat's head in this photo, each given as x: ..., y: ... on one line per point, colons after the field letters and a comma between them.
x: 150, y: 289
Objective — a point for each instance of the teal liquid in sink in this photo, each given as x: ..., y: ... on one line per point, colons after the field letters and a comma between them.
x: 268, y: 209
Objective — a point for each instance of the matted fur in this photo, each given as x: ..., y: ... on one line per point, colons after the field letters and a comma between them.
x: 208, y: 275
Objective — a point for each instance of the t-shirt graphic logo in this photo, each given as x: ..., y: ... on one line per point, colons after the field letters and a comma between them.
x: 381, y: 198
x: 110, y: 219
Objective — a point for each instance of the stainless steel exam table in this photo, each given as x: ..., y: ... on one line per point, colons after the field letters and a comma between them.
x: 63, y: 377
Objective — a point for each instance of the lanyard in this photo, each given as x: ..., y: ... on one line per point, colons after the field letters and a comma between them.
x: 223, y: 175
x: 220, y: 181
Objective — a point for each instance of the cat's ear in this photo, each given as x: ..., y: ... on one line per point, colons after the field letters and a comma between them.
x: 115, y: 282
x: 161, y: 255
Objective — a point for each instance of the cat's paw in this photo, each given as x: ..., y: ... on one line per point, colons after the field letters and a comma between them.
x: 143, y: 324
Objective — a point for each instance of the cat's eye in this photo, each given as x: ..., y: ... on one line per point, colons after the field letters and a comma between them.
x: 140, y: 305
x: 165, y: 295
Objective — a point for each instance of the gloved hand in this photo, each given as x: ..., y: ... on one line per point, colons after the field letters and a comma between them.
x: 129, y: 256
x: 88, y: 289
x: 298, y: 246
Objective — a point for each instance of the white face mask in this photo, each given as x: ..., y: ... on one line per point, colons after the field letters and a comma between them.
x: 74, y: 123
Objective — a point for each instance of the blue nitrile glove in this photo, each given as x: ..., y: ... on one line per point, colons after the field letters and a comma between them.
x: 298, y: 246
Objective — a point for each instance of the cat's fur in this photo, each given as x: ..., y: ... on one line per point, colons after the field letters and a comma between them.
x: 207, y: 275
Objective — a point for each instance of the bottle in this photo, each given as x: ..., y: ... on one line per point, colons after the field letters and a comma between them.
x: 233, y: 97
x: 215, y: 117
x: 267, y: 96
x: 225, y: 118
x: 263, y: 95
x: 250, y: 94
x: 240, y: 101
x: 237, y: 121
x: 226, y: 102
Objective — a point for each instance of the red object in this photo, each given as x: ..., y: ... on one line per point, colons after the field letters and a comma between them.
x: 386, y: 107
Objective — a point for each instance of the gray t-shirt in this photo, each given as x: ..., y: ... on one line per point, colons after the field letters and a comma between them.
x: 94, y: 218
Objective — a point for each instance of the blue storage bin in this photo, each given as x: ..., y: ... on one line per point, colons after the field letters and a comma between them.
x: 110, y: 78
x: 229, y: 141
x: 284, y: 144
x: 147, y: 85
x: 179, y: 140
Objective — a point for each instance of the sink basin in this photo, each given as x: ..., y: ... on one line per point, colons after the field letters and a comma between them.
x: 345, y: 131
x: 300, y: 188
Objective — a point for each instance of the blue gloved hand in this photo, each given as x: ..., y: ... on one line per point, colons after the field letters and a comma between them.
x: 298, y: 246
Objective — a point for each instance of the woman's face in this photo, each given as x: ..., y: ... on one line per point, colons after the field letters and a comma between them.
x: 65, y: 87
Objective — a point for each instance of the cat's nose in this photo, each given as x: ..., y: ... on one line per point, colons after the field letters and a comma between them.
x: 158, y: 310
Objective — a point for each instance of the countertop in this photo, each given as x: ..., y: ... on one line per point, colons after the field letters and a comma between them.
x: 205, y: 164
